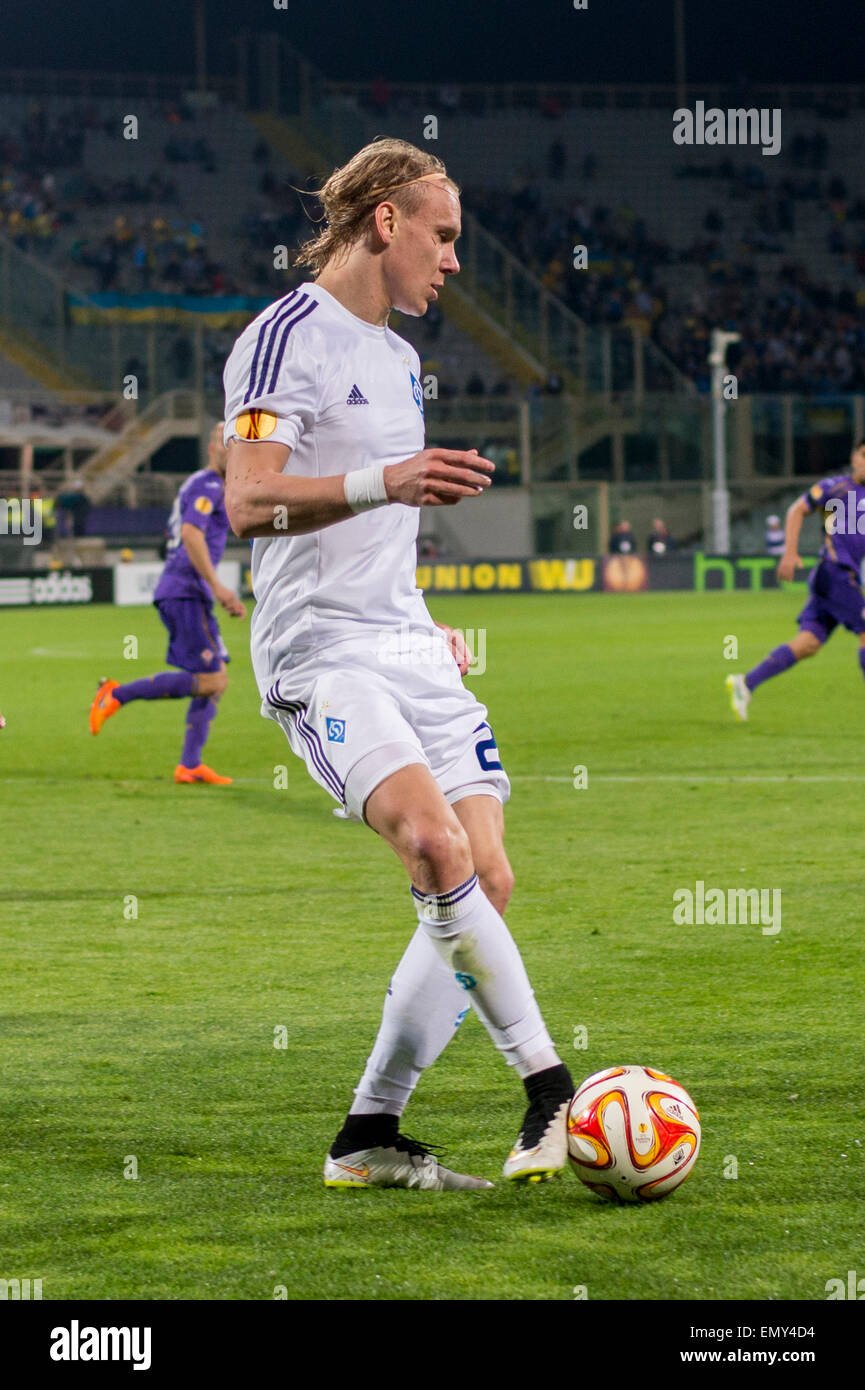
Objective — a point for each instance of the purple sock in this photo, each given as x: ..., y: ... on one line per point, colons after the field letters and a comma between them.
x: 781, y: 659
x: 862, y: 659
x: 201, y: 711
x: 172, y: 685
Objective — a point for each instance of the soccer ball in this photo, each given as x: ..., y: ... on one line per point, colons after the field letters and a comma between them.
x: 633, y: 1133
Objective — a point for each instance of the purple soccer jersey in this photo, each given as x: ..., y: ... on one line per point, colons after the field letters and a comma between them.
x: 200, y: 501
x: 843, y: 503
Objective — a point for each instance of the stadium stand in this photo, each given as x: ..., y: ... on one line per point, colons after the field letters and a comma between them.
x: 138, y: 260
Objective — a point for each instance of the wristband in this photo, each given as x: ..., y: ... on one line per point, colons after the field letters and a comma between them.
x: 365, y: 488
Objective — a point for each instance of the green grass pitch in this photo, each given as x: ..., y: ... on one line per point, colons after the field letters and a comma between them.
x: 152, y: 1038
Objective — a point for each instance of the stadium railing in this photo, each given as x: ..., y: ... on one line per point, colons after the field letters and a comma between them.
x: 94, y: 83
x: 480, y: 97
x: 97, y: 355
x: 308, y: 83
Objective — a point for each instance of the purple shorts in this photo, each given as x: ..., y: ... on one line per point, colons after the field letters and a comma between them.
x: 835, y: 598
x: 194, y: 640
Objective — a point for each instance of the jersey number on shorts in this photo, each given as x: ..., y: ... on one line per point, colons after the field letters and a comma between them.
x: 488, y: 754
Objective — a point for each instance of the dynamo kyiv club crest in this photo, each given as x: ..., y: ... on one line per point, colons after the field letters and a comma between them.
x: 417, y: 391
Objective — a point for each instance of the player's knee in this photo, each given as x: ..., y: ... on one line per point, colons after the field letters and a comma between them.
x: 438, y: 848
x: 808, y: 645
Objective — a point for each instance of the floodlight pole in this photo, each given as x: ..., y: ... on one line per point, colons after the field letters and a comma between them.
x: 720, y: 496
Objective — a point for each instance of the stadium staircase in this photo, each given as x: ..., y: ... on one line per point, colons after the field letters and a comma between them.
x: 22, y: 367
x: 32, y: 322
x: 169, y: 415
x: 22, y: 371
x: 284, y: 134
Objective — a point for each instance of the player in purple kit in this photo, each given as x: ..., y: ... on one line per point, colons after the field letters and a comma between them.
x: 835, y: 583
x: 184, y: 597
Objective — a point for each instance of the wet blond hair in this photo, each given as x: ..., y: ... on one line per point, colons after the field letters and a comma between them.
x: 387, y: 170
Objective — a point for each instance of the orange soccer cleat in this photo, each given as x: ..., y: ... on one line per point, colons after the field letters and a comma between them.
x: 202, y: 773
x: 104, y: 705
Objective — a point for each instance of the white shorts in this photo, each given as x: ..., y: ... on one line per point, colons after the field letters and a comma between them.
x: 356, y: 718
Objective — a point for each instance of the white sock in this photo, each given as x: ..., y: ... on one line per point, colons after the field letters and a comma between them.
x: 422, y: 1009
x: 472, y: 939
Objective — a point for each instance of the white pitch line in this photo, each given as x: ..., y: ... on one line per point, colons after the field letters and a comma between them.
x: 525, y: 777
x: 55, y: 651
x: 692, y: 777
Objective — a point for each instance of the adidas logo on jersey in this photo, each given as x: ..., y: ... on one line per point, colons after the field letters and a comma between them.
x: 356, y: 397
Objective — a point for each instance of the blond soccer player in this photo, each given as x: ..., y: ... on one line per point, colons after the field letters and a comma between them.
x: 327, y: 470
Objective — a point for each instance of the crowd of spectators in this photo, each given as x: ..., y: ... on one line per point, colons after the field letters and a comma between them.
x: 29, y: 211
x: 152, y: 254
x: 798, y: 334
x: 46, y: 191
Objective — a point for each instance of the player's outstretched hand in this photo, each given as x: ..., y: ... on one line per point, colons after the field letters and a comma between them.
x: 234, y: 606
x: 438, y: 477
x: 787, y: 566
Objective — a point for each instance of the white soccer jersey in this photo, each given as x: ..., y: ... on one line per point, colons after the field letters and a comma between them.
x: 342, y: 394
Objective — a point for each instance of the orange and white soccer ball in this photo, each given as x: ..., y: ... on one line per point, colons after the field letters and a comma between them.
x: 633, y: 1133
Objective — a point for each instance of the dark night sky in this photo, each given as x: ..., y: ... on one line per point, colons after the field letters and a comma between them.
x: 474, y: 40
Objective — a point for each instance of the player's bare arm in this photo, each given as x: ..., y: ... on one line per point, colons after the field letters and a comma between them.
x: 195, y: 545
x: 261, y: 500
x: 790, y: 560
